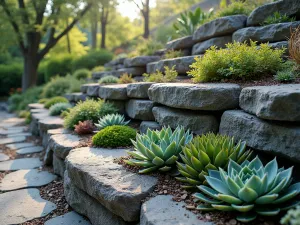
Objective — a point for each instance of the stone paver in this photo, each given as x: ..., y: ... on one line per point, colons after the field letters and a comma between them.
x: 23, y: 205
x: 17, y: 146
x: 30, y: 150
x: 26, y: 179
x: 3, y: 157
x: 20, y: 164
x: 71, y: 218
x: 11, y: 130
x: 12, y: 140
x: 26, y: 134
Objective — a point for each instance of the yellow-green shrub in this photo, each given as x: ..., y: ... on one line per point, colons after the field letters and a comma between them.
x: 158, y: 77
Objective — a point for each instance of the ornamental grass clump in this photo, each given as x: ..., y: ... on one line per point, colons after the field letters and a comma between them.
x: 110, y: 120
x: 209, y: 152
x: 55, y: 100
x: 114, y: 136
x: 58, y: 108
x: 250, y: 189
x: 158, y: 150
x: 238, y: 61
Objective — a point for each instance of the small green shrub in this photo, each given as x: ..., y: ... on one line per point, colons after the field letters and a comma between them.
x: 238, y: 61
x: 114, y: 136
x: 14, y: 101
x: 110, y: 120
x: 54, y: 100
x: 43, y: 100
x: 109, y: 80
x: 173, y: 54
x: 25, y: 114
x: 278, y: 18
x: 292, y: 217
x: 284, y: 76
x: 236, y: 8
x: 88, y: 110
x: 11, y: 77
x: 159, y: 77
x: 82, y: 74
x: 98, y: 69
x: 58, y: 108
x: 126, y: 79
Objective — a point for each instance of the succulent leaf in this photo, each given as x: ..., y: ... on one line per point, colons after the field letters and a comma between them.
x: 110, y: 120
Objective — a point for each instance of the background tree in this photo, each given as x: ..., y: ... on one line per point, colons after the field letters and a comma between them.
x: 144, y: 7
x: 36, y: 21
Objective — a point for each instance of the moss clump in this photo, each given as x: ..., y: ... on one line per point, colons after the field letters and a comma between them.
x: 114, y: 136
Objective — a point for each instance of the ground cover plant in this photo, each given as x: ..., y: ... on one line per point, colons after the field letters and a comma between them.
x: 237, y: 61
x: 82, y: 74
x: 58, y: 108
x: 54, y: 100
x: 236, y: 7
x: 109, y: 80
x: 110, y: 120
x: 170, y: 74
x: 173, y: 54
x: 158, y: 150
x: 278, y: 18
x: 114, y: 136
x: 126, y: 79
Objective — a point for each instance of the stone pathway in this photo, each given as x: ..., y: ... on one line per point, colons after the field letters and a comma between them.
x: 20, y: 200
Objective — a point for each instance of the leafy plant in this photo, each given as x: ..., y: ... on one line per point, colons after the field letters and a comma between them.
x: 294, y: 45
x: 292, y: 217
x: 250, y: 188
x: 236, y: 8
x: 58, y: 108
x: 159, y: 77
x: 126, y: 79
x: 188, y: 22
x: 237, y: 61
x: 173, y: 54
x: 54, y: 100
x: 85, y: 127
x: 109, y: 80
x: 209, y: 152
x: 114, y: 136
x: 284, y: 76
x: 278, y: 18
x: 110, y: 120
x: 43, y: 100
x: 25, y: 114
x: 146, y: 47
x: 82, y: 74
x: 158, y: 150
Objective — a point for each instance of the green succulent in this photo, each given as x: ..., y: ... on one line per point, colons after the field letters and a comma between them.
x: 292, y: 217
x: 110, y: 120
x: 158, y: 150
x: 209, y: 152
x: 250, y: 188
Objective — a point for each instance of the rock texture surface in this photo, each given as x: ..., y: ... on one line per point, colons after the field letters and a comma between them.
x: 220, y: 27
x: 59, y: 166
x: 119, y: 190
x: 277, y: 138
x: 272, y: 102
x: 29, y: 150
x: 149, y: 124
x: 134, y: 71
x: 196, y: 96
x: 140, y: 109
x: 197, y: 122
x: 3, y: 157
x: 113, y: 92
x: 62, y: 144
x: 138, y: 90
x: 219, y: 42
x: 20, y: 164
x: 17, y: 146
x: 180, y: 43
x: 10, y: 140
x: 71, y: 218
x: 92, y: 89
x: 140, y: 61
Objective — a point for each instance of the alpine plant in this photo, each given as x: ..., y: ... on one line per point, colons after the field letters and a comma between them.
x: 209, y: 152
x: 158, y: 150
x: 110, y: 120
x: 250, y: 188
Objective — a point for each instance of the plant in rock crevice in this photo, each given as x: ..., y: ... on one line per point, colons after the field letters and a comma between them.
x: 209, y: 152
x: 250, y: 189
x: 158, y: 150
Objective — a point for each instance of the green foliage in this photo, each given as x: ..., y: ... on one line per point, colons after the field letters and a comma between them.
x: 92, y: 59
x: 10, y: 76
x: 278, y: 18
x: 88, y: 110
x: 25, y: 114
x: 159, y: 77
x: 114, y: 136
x: 250, y: 189
x: 58, y: 108
x: 188, y: 22
x: 110, y: 120
x: 85, y: 127
x: 146, y: 47
x: 109, y: 80
x: 82, y: 74
x: 126, y: 79
x: 158, y: 150
x: 292, y: 217
x: 237, y: 61
x: 52, y: 101
x: 209, y: 152
x: 59, y: 65
x: 43, y: 100
x: 284, y: 76
x: 236, y: 8
x: 173, y: 54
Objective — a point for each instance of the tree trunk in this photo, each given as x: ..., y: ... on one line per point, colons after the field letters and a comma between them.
x: 29, y: 78
x: 94, y: 28
x: 103, y: 34
x: 68, y: 38
x: 146, y: 14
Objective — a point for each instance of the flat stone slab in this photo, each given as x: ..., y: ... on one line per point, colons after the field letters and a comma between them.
x: 26, y: 179
x: 182, y: 64
x: 197, y: 122
x: 212, y: 97
x: 62, y: 144
x: 3, y: 157
x: 84, y: 204
x: 84, y: 87
x: 10, y: 140
x: 220, y: 27
x: 10, y: 122
x: 139, y: 90
x: 30, y: 150
x: 26, y: 134
x: 277, y: 138
x: 140, y: 109
x: 162, y: 210
x: 152, y: 125
x: 114, y: 92
x: 92, y: 89
x: 219, y: 42
x: 70, y: 218
x: 120, y: 191
x: 140, y: 61
x: 12, y: 130
x: 36, y: 106
x: 78, y: 96
x: 134, y: 71
x: 20, y: 164
x: 17, y: 146
x: 272, y: 102
x: 270, y: 33
x: 24, y: 205
x: 50, y: 122
x: 180, y: 43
